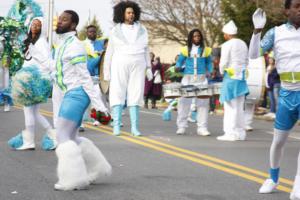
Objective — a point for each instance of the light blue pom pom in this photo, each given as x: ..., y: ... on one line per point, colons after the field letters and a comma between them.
x: 167, y: 116
x: 5, y: 97
x: 30, y: 87
x: 47, y: 143
x: 16, y: 142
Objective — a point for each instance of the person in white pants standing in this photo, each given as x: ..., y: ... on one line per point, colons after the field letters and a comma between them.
x: 233, y: 63
x: 126, y: 59
x: 195, y: 58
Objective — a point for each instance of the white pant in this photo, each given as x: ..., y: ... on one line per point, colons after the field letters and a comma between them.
x: 32, y: 115
x: 4, y: 83
x: 184, y: 106
x: 249, y: 113
x: 127, y: 80
x: 57, y: 97
x: 234, y: 122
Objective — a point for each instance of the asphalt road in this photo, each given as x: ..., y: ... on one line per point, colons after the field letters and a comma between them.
x: 158, y: 166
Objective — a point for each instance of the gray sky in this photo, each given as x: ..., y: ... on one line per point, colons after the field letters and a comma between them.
x: 101, y: 8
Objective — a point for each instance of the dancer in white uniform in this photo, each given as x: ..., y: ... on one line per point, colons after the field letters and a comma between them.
x: 37, y: 53
x: 126, y: 60
x: 80, y: 162
x: 284, y: 40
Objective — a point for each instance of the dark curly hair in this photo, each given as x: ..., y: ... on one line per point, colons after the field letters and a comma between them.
x: 287, y: 4
x: 74, y: 16
x: 119, y: 11
x: 190, y: 39
x: 30, y: 40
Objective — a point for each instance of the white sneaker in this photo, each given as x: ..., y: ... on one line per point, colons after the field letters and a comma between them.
x: 57, y: 186
x: 6, y: 107
x: 191, y: 120
x: 241, y: 136
x: 203, y: 132
x: 227, y: 137
x: 294, y: 196
x: 180, y: 131
x: 270, y: 115
x: 268, y: 186
x: 248, y: 128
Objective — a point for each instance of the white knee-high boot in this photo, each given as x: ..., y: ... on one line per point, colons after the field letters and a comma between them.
x: 71, y: 169
x: 96, y: 164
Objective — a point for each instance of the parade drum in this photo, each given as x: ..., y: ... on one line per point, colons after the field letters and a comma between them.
x: 256, y: 79
x: 103, y: 84
x: 204, y: 91
x: 217, y: 88
x: 189, y: 91
x: 172, y: 90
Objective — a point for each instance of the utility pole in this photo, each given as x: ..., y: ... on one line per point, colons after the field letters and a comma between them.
x: 50, y: 22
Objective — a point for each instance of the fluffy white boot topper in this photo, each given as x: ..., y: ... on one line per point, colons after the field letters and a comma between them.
x: 71, y: 169
x: 96, y: 164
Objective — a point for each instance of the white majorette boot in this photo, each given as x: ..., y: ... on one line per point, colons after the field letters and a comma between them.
x: 6, y: 108
x: 96, y: 164
x: 22, y: 141
x: 71, y: 169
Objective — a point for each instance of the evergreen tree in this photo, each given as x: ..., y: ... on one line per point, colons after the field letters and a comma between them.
x: 240, y: 11
x: 95, y: 22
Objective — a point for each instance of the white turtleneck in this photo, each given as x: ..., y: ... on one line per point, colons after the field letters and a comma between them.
x: 129, y: 32
x: 194, y: 50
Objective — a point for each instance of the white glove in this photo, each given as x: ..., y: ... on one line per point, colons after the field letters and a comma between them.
x: 259, y: 18
x: 149, y: 74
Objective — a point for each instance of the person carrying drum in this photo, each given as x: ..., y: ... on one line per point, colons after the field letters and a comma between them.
x: 284, y: 40
x: 234, y: 59
x: 194, y: 73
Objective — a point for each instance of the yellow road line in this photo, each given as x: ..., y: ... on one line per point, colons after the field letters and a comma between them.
x: 152, y: 144
x: 210, y: 158
x: 193, y: 159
